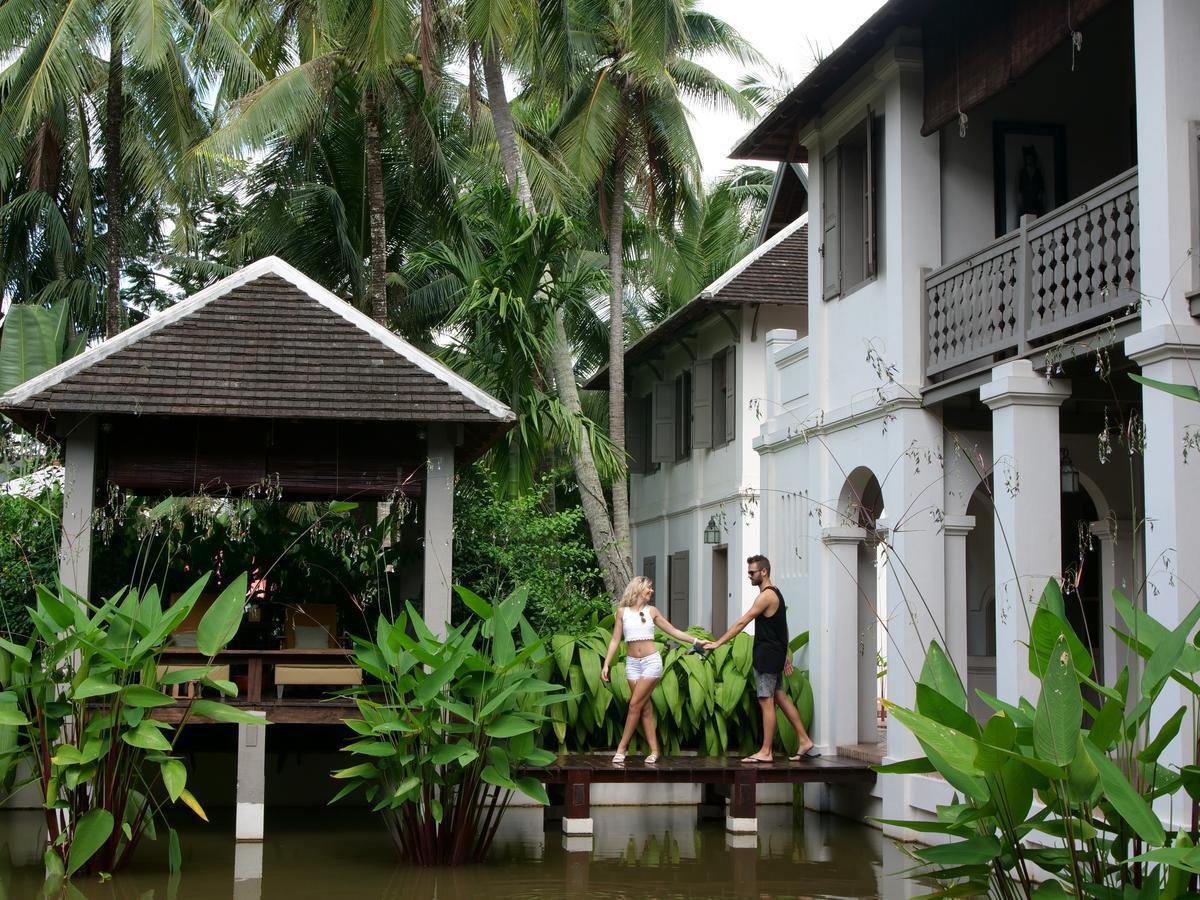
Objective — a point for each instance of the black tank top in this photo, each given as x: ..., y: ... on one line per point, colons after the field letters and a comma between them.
x: 771, y: 638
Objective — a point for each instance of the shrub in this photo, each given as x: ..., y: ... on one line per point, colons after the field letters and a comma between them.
x: 28, y: 554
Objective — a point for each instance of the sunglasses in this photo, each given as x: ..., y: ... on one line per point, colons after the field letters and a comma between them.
x: 643, y: 615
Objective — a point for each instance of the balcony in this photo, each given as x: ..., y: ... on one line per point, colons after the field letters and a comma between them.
x: 1053, y: 279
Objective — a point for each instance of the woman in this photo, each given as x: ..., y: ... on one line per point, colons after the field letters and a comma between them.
x: 635, y: 621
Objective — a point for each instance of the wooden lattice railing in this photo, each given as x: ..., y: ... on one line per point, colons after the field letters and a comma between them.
x: 1061, y: 273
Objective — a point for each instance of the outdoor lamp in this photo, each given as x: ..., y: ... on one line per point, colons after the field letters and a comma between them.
x: 712, y: 534
x: 1068, y: 473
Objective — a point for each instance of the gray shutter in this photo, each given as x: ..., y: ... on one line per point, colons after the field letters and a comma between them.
x: 649, y: 566
x: 702, y: 403
x: 831, y: 235
x: 677, y: 607
x: 869, y: 198
x: 662, y: 446
x: 731, y: 396
x: 635, y: 434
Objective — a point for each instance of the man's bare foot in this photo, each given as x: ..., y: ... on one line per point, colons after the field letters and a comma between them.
x: 804, y: 751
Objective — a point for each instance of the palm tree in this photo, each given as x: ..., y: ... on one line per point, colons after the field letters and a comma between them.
x: 158, y: 54
x: 625, y: 130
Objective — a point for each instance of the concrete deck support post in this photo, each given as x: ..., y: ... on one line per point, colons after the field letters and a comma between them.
x: 1027, y: 489
x: 956, y: 529
x: 835, y: 640
x: 1118, y: 563
x: 251, y: 780
x: 247, y: 871
x: 742, y: 817
x: 577, y: 816
x: 439, y: 527
x: 79, y: 502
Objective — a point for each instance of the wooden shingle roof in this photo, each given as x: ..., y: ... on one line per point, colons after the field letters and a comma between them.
x: 266, y: 342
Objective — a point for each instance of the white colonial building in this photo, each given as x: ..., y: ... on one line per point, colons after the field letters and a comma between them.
x: 1004, y: 220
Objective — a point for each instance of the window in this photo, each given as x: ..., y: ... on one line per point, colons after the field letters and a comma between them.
x: 724, y: 400
x: 639, y: 426
x: 683, y: 415
x: 850, y: 178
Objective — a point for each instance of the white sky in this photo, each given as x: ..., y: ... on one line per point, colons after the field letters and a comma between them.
x: 786, y: 32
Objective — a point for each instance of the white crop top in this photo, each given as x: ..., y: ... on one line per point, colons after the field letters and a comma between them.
x: 633, y: 626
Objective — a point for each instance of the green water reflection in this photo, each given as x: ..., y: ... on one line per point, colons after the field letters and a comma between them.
x: 636, y: 853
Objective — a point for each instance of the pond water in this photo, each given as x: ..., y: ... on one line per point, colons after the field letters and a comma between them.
x: 636, y: 853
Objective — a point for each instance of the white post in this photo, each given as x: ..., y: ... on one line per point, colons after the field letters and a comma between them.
x: 836, y: 681
x: 867, y: 648
x: 1027, y: 486
x: 79, y: 502
x: 439, y: 527
x: 956, y: 529
x: 251, y: 780
x: 1118, y: 560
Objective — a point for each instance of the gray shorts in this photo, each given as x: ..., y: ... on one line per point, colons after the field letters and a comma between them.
x: 766, y: 683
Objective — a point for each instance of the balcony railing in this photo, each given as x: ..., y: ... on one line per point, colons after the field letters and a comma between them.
x: 1073, y: 268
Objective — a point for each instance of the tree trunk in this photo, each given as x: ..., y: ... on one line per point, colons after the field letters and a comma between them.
x: 616, y: 357
x: 473, y: 84
x: 425, y: 45
x: 377, y: 294
x: 617, y: 571
x: 114, y: 110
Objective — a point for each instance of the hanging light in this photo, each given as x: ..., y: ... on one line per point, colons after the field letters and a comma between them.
x: 1068, y: 473
x: 712, y: 534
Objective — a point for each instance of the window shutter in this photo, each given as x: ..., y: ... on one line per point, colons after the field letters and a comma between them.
x: 831, y: 236
x: 869, y: 198
x: 702, y: 403
x: 662, y: 448
x: 677, y: 607
x: 635, y: 434
x: 731, y: 401
x: 649, y: 565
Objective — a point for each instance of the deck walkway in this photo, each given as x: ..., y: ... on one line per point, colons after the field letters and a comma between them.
x: 579, y: 771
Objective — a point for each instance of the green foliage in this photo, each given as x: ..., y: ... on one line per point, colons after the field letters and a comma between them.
x: 1097, y: 831
x: 449, y: 724
x: 703, y: 703
x: 76, y: 709
x: 502, y: 543
x: 28, y: 555
x: 34, y: 339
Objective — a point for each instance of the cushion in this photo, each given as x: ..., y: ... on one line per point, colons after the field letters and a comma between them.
x: 310, y: 637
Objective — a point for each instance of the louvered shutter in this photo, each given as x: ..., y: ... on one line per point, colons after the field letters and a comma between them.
x: 731, y: 397
x: 649, y: 567
x: 677, y: 608
x: 702, y: 403
x: 662, y: 446
x: 635, y: 434
x: 869, y: 199
x: 831, y: 237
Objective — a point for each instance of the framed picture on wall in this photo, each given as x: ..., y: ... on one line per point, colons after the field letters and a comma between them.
x: 1030, y: 165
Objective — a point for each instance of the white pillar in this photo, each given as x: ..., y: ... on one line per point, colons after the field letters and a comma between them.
x: 1118, y: 563
x: 956, y: 529
x: 1027, y: 486
x: 868, y: 644
x: 251, y: 780
x: 439, y: 527
x: 836, y: 683
x: 79, y: 500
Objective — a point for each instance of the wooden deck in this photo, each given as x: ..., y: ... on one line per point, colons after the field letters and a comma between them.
x: 581, y: 770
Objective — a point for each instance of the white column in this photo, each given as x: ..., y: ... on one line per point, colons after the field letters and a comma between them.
x: 835, y: 684
x: 956, y: 529
x: 251, y: 780
x: 1118, y: 563
x: 439, y: 527
x: 869, y: 614
x: 1027, y: 486
x: 79, y: 499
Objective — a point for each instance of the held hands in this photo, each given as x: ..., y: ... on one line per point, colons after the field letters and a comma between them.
x: 604, y: 672
x: 710, y: 645
x: 788, y: 668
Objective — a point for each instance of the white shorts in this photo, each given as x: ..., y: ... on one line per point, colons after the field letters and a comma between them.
x: 646, y: 667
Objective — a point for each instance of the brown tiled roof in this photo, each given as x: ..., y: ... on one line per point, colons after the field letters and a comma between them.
x: 265, y: 343
x: 775, y: 273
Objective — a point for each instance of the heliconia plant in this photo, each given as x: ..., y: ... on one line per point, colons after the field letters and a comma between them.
x: 703, y: 703
x: 77, y: 707
x: 1047, y: 805
x: 448, y: 726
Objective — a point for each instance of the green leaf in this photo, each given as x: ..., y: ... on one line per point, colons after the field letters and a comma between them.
x: 534, y: 788
x: 939, y: 674
x: 957, y: 749
x: 174, y: 776
x: 142, y: 696
x: 223, y: 712
x: 342, y: 506
x: 174, y: 854
x: 11, y: 715
x: 509, y: 726
x: 980, y: 849
x: 362, y: 770
x: 918, y: 766
x: 221, y: 620
x: 1186, y: 391
x: 181, y: 676
x: 1125, y: 800
x: 147, y: 737
x: 1165, y: 735
x: 95, y: 686
x: 448, y: 753
x: 474, y: 602
x: 1059, y: 713
x: 91, y: 833
x: 1167, y: 654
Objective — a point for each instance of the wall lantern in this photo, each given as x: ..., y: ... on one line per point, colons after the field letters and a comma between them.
x: 1068, y: 473
x: 712, y: 534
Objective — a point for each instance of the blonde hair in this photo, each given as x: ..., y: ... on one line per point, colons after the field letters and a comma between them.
x: 633, y: 590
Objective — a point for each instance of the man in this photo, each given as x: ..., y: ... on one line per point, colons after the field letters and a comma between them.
x: 771, y: 660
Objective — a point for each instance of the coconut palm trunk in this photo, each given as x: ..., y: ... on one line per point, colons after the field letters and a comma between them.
x: 114, y: 110
x: 377, y: 295
x: 616, y: 354
x: 616, y: 568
